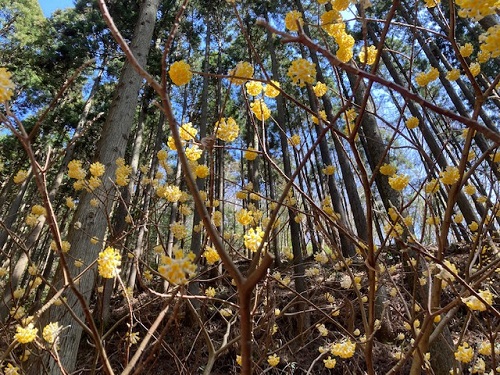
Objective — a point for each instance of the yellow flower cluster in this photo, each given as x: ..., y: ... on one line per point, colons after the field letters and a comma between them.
x: 50, y: 332
x: 320, y: 89
x: 75, y: 170
x: 11, y: 370
x: 431, y: 3
x: 432, y: 187
x: 330, y: 362
x: 474, y: 303
x: 271, y: 91
x: 331, y: 22
x: 171, y: 193
x: 326, y: 206
x: 328, y: 170
x: 301, y: 72
x: 453, y: 75
x: 294, y: 140
x: 122, y: 172
x: 253, y: 238
x: 27, y: 334
x: 466, y: 50
x: 412, y: 123
x: 109, y: 262
x: 475, y: 69
x: 216, y: 215
x: 322, y: 116
x: 179, y: 230
x: 343, y: 349
x: 187, y: 132
x: 387, y: 169
x: 65, y: 246
x: 211, y: 255
x: 180, y: 73
x: 449, y: 176
x: 423, y: 79
x: 293, y: 18
x: 36, y: 213
x: 254, y: 88
x: 340, y: 5
x: 97, y: 169
x: 193, y: 153
x: 6, y: 85
x: 367, y: 55
x: 476, y: 9
x: 260, y: 110
x: 464, y: 353
x: 250, y: 154
x: 490, y: 42
x: 201, y: 171
x: 399, y: 182
x: 20, y: 176
x: 178, y: 270
x: 241, y: 73
x: 273, y: 360
x: 227, y: 129
x: 244, y: 216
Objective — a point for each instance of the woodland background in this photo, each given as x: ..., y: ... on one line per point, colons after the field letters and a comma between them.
x: 350, y: 227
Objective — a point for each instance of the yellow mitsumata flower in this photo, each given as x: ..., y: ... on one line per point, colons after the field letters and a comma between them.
x: 243, y: 71
x: 330, y: 362
x: 464, y: 353
x: 178, y: 270
x: 20, y: 176
x: 97, y: 169
x: 187, y: 132
x: 27, y: 334
x: 250, y: 154
x: 193, y: 153
x: 273, y: 360
x: 399, y: 182
x: 423, y: 79
x: 227, y: 129
x: 253, y: 238
x: 449, y: 176
x: 367, y: 55
x: 254, y: 88
x: 109, y: 262
x: 301, y: 72
x: 320, y: 89
x: 6, y: 85
x: 50, y: 332
x: 474, y: 303
x: 453, y: 75
x: 412, y: 123
x: 294, y: 140
x: 260, y: 110
x: 328, y: 170
x: 387, y: 169
x: 432, y: 187
x: 270, y: 91
x: 122, y: 172
x: 244, y: 216
x: 211, y: 255
x: 293, y: 18
x: 344, y: 349
x: 180, y: 73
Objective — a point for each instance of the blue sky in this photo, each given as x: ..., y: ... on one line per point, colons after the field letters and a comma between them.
x: 49, y: 6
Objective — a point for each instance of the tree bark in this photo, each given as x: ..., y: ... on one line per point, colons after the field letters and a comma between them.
x: 94, y: 221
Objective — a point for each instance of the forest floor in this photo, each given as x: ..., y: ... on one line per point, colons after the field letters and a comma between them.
x: 184, y: 346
